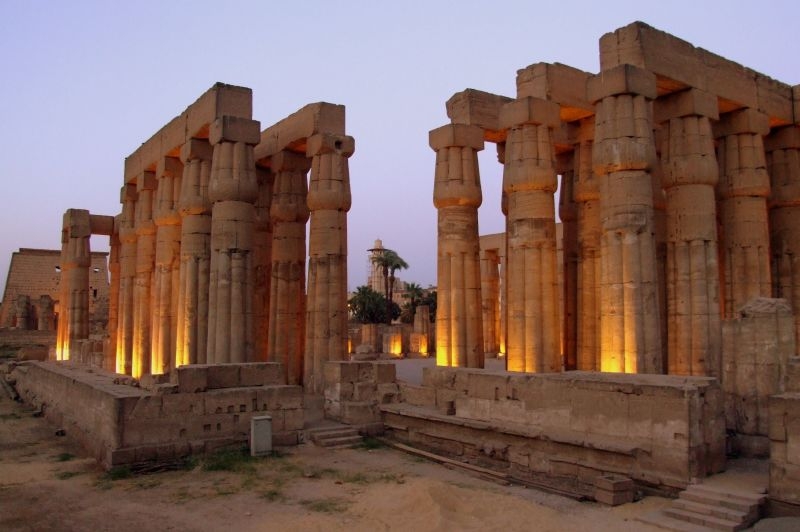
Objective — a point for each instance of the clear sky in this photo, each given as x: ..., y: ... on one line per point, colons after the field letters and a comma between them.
x: 85, y: 82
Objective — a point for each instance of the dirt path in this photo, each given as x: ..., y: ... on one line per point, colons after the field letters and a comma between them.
x: 46, y: 484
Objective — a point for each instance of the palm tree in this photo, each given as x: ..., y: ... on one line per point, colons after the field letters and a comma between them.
x: 389, y: 262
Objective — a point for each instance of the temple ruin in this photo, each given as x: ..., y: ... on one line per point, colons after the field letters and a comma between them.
x: 208, y: 254
x: 660, y: 338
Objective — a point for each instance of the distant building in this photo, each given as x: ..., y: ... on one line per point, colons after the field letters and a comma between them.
x: 31, y: 296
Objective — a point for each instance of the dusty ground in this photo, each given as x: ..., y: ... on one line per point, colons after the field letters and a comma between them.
x: 47, y: 484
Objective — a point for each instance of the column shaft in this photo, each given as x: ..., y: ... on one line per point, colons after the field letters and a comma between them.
x: 328, y: 201
x: 126, y: 223
x: 289, y: 214
x: 690, y: 175
x: 75, y: 263
x: 145, y: 264
x: 623, y: 155
x: 457, y: 196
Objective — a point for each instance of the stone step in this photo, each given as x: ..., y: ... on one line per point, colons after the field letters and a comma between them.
x: 661, y: 520
x: 709, y: 521
x: 752, y: 497
x: 716, y: 510
x: 714, y: 498
x: 336, y: 438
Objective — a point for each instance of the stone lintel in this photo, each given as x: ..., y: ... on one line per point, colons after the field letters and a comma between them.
x: 288, y: 161
x: 101, y: 225
x: 783, y: 138
x: 330, y: 143
x: 170, y: 167
x: 478, y: 108
x: 220, y: 100
x: 456, y: 135
x: 77, y: 223
x: 146, y: 181
x: 690, y: 102
x: 742, y: 121
x: 622, y: 79
x: 530, y: 110
x: 562, y: 84
x: 291, y: 132
x: 234, y: 129
x: 195, y: 148
x: 673, y: 58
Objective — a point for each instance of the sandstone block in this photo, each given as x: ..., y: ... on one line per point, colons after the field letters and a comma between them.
x: 229, y: 401
x: 364, y: 391
x: 341, y: 371
x: 260, y: 374
x: 529, y: 110
x: 286, y: 439
x: 418, y: 395
x: 558, y: 83
x: 782, y: 139
x: 234, y: 129
x: 476, y: 108
x: 196, y: 149
x: 359, y: 413
x: 745, y: 120
x: 691, y: 102
x: 294, y: 419
x: 223, y: 376
x: 622, y: 79
x: 613, y: 498
x: 456, y: 135
x: 329, y: 143
x: 613, y: 483
x: 192, y: 379
x: 279, y: 397
x: 385, y: 372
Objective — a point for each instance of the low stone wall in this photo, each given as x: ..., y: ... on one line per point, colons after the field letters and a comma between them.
x: 353, y: 391
x: 205, y: 408
x: 662, y: 431
x: 784, y: 463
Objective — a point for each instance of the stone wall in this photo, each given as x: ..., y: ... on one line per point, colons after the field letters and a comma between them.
x: 203, y: 409
x: 354, y: 390
x: 661, y: 431
x: 757, y: 349
x: 784, y: 436
x: 35, y: 272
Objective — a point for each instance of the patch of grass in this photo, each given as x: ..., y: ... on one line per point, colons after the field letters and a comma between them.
x: 64, y: 475
x: 64, y: 457
x: 223, y: 488
x: 354, y: 478
x: 369, y: 443
x: 119, y: 473
x: 12, y: 415
x: 147, y: 483
x: 272, y: 495
x: 331, y: 505
x: 233, y: 460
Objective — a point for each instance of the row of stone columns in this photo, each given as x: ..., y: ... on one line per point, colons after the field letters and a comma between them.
x: 671, y: 232
x: 209, y: 254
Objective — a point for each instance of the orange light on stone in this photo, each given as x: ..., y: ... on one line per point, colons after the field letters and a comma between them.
x: 423, y: 344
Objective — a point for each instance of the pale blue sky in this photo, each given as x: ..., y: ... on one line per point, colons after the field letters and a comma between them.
x: 84, y: 83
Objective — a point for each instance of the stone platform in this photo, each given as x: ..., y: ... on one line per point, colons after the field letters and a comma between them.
x: 120, y: 422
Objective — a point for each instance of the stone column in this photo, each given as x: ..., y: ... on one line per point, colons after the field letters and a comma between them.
x: 742, y: 195
x: 22, y: 314
x: 145, y: 265
x: 623, y: 155
x: 262, y: 264
x: 289, y: 214
x: 783, y: 165
x: 690, y: 174
x: 195, y: 210
x: 126, y: 224
x: 167, y: 264
x: 45, y: 311
x: 329, y: 200
x: 586, y: 191
x: 233, y: 189
x: 457, y: 196
x: 568, y: 213
x: 110, y: 354
x: 76, y: 259
x: 529, y: 182
x: 490, y: 295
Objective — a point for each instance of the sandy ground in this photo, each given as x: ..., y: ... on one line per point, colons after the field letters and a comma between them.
x: 47, y: 483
